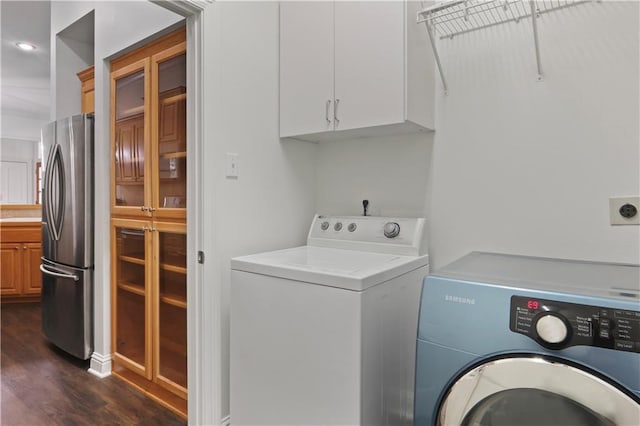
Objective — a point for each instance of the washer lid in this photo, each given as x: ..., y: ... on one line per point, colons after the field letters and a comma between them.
x: 348, y: 269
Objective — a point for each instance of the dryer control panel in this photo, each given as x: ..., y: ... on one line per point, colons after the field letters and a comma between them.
x: 558, y: 325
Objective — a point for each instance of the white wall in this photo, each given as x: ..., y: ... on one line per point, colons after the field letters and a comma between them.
x: 271, y: 204
x: 22, y: 128
x: 525, y: 167
x: 118, y: 26
x: 391, y: 172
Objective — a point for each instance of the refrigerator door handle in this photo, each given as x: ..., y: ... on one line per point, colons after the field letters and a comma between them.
x: 55, y: 195
x: 58, y: 274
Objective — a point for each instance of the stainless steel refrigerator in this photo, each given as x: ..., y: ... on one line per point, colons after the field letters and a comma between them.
x: 67, y: 234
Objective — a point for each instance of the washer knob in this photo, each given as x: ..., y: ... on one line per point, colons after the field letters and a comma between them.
x: 551, y: 329
x: 337, y: 226
x: 391, y: 229
x: 324, y: 226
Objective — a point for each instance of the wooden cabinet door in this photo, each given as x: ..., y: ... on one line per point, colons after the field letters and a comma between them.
x: 306, y: 67
x: 131, y: 141
x: 126, y: 147
x: 10, y: 268
x: 170, y: 307
x: 87, y: 99
x: 168, y: 131
x: 131, y: 295
x: 32, y: 277
x: 369, y: 63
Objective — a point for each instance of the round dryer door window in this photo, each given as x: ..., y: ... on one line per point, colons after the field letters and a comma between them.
x: 535, y: 391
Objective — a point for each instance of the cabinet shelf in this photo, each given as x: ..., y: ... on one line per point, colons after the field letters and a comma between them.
x: 179, y: 154
x: 131, y: 288
x: 173, y: 268
x: 174, y: 300
x: 132, y: 259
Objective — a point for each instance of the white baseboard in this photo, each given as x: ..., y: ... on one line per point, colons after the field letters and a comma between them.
x: 226, y: 421
x: 100, y: 365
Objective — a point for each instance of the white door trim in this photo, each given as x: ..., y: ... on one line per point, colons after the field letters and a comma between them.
x: 203, y: 319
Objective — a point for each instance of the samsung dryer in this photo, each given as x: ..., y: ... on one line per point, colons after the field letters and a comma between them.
x: 324, y: 334
x: 514, y: 340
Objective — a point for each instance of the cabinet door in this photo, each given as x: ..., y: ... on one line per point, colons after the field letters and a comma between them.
x: 10, y: 268
x: 131, y: 190
x: 306, y: 67
x: 32, y: 277
x: 131, y: 291
x: 168, y: 124
x: 170, y: 325
x: 127, y: 133
x: 369, y: 63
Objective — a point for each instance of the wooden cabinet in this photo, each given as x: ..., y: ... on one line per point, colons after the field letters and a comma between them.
x: 149, y: 306
x: 149, y: 142
x: 129, y: 150
x: 148, y: 220
x: 20, y: 253
x: 353, y: 69
x: 87, y: 95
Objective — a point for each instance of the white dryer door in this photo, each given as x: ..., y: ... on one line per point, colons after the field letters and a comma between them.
x: 535, y: 391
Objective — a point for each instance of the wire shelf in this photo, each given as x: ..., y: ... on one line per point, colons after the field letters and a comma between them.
x: 454, y: 17
x: 449, y: 18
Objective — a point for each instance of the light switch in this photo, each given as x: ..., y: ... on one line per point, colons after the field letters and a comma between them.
x: 232, y: 165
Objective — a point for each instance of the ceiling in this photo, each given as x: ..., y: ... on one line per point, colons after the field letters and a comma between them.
x: 25, y: 75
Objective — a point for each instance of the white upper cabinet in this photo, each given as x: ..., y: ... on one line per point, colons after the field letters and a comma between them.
x: 351, y: 69
x: 306, y: 67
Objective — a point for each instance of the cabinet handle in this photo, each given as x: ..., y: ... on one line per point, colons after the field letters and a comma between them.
x: 24, y: 247
x: 16, y: 248
x: 326, y: 112
x: 151, y: 209
x: 335, y: 111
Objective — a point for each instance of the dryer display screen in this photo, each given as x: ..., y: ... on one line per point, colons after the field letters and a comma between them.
x: 557, y: 325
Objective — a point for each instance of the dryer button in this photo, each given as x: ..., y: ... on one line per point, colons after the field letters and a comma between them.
x: 551, y: 329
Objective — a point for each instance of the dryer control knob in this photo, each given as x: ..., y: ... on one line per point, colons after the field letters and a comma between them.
x: 391, y: 229
x: 551, y: 329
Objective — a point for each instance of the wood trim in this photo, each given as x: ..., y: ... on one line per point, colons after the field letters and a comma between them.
x: 152, y: 390
x: 20, y: 207
x: 86, y: 74
x: 150, y: 49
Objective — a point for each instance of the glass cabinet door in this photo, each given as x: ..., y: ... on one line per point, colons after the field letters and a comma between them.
x: 129, y: 89
x: 130, y: 294
x: 171, y: 311
x: 169, y: 87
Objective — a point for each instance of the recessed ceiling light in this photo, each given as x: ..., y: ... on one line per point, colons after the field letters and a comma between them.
x: 25, y: 46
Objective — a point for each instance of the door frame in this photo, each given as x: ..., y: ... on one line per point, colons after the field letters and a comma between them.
x: 204, y: 334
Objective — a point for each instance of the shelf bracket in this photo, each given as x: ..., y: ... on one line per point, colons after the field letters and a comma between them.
x: 435, y: 53
x: 534, y: 23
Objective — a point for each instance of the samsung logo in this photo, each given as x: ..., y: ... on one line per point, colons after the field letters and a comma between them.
x: 458, y: 299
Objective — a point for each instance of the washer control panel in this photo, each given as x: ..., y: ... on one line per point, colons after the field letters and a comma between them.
x: 403, y: 236
x: 558, y: 325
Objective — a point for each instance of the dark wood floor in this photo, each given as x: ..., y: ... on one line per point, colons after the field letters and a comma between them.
x: 41, y: 385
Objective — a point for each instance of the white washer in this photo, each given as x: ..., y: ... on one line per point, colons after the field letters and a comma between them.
x: 325, y: 333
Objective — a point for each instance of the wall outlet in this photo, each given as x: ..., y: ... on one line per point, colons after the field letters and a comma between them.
x: 624, y: 210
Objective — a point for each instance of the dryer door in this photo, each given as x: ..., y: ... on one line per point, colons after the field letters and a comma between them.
x: 535, y: 391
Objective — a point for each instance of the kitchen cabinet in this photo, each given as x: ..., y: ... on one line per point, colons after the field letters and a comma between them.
x: 20, y: 253
x: 148, y: 220
x: 129, y: 153
x: 87, y: 94
x: 149, y: 143
x: 353, y: 69
x: 149, y: 306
